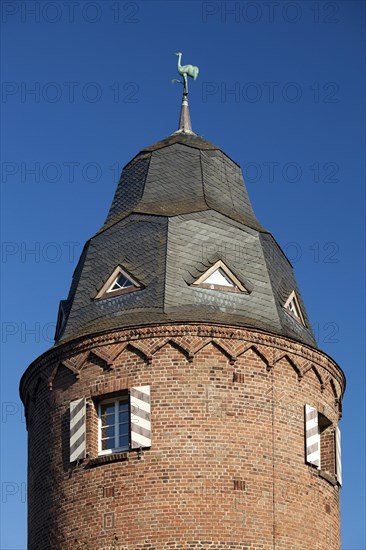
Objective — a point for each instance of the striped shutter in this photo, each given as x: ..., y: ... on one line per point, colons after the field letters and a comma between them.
x: 140, y: 417
x: 312, y: 437
x: 338, y: 455
x: 77, y: 429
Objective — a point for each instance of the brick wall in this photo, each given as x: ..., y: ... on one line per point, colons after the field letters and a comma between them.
x: 226, y: 468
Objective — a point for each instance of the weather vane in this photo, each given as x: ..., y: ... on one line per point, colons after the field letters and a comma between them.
x: 184, y: 71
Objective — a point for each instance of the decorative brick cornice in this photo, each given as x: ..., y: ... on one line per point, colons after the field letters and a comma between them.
x: 271, y: 347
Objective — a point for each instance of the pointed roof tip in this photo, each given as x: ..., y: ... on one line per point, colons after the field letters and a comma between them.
x: 185, y: 125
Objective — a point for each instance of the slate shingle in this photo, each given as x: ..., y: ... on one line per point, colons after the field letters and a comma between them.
x: 181, y: 204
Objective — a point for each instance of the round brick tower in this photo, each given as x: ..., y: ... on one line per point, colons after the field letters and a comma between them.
x: 185, y: 403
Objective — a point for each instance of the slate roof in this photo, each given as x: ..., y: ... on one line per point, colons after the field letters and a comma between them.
x: 181, y: 204
x: 182, y: 173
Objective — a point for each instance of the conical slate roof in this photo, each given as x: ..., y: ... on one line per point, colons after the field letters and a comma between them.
x: 179, y: 175
x: 180, y: 209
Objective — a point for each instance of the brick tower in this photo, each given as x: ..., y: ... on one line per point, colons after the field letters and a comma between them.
x: 185, y: 403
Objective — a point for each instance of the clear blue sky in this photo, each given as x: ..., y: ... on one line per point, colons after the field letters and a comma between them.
x: 281, y: 90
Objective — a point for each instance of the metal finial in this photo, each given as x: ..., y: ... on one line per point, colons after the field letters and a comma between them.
x: 185, y: 119
x: 185, y: 71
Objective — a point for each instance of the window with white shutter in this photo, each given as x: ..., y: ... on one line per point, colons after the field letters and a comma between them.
x: 77, y: 429
x: 338, y: 455
x: 114, y: 425
x: 140, y: 417
x: 323, y: 445
x: 125, y: 421
x: 312, y: 436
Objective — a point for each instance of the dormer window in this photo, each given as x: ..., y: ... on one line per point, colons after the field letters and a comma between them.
x: 61, y: 320
x: 293, y: 307
x: 220, y: 277
x: 119, y: 282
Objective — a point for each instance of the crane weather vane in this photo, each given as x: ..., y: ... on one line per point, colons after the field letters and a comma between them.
x: 184, y: 71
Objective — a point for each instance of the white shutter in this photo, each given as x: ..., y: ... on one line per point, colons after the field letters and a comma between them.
x: 77, y: 429
x: 338, y: 455
x: 140, y: 417
x: 312, y: 436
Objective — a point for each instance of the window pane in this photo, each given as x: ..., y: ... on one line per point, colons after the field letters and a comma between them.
x: 123, y: 441
x: 124, y: 433
x: 108, y: 443
x: 115, y: 424
x: 123, y: 416
x: 121, y: 282
x: 108, y: 420
x: 108, y: 431
x: 123, y: 427
x: 123, y: 411
x: 107, y: 409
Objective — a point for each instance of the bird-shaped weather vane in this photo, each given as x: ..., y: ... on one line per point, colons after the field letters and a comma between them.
x: 185, y: 71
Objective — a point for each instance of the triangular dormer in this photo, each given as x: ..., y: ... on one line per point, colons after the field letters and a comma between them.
x: 220, y: 277
x: 61, y: 319
x: 119, y: 282
x: 293, y: 307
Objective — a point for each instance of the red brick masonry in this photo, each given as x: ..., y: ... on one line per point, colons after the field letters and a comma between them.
x: 226, y: 469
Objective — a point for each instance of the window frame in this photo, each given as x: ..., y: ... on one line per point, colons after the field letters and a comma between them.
x: 61, y: 321
x: 119, y: 287
x: 328, y: 452
x: 293, y: 300
x: 116, y: 400
x: 106, y: 290
x: 237, y: 286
